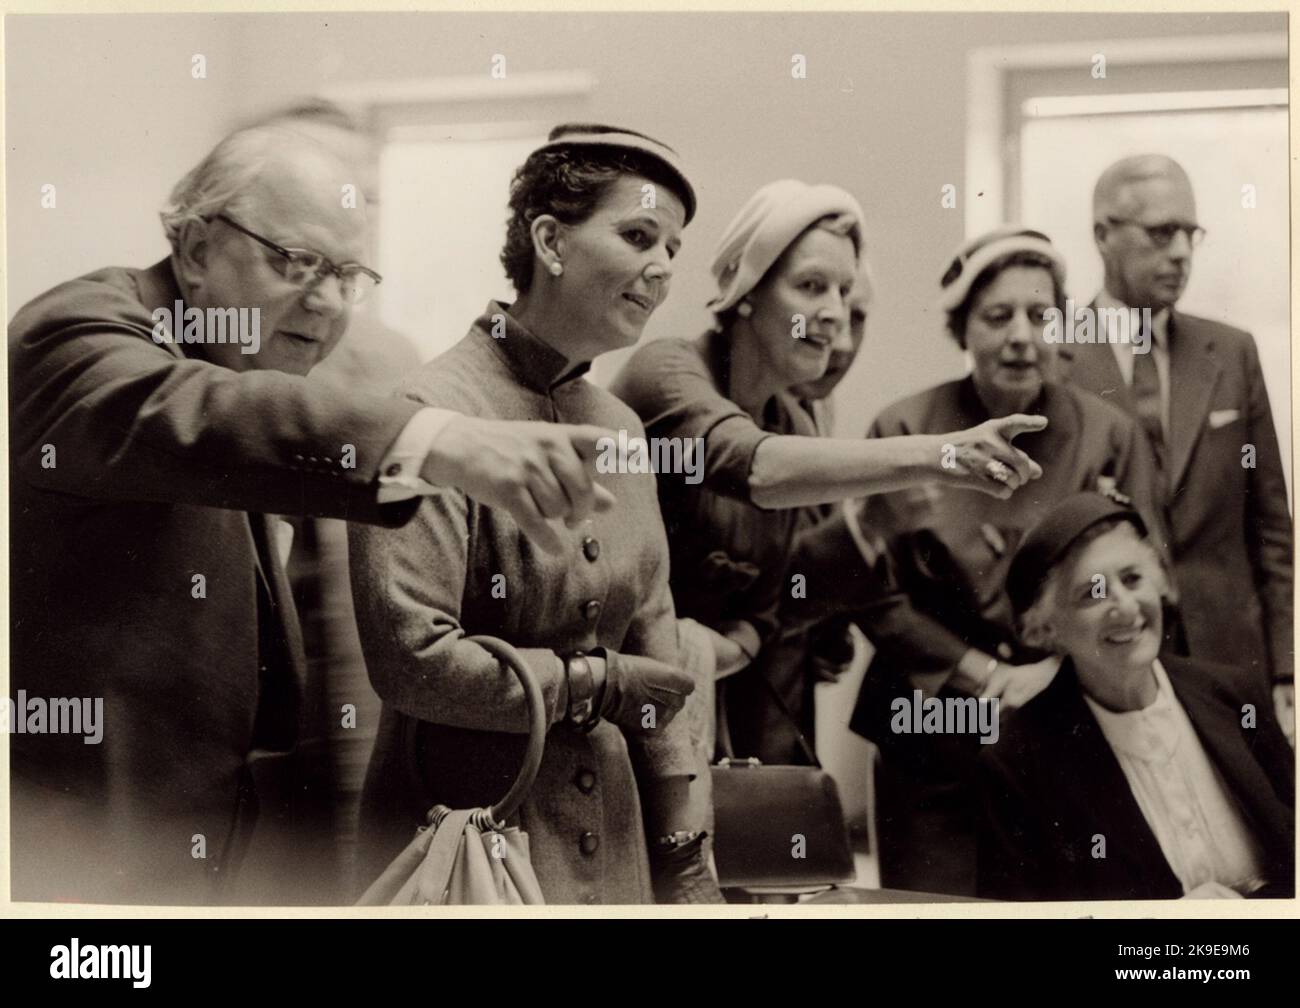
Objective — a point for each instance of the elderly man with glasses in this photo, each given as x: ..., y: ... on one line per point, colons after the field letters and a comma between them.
x: 1196, y: 388
x: 146, y: 474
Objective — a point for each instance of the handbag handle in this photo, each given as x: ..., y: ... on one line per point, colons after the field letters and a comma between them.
x: 507, y: 655
x: 724, y: 724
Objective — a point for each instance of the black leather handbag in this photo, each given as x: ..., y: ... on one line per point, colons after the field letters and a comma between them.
x: 778, y: 830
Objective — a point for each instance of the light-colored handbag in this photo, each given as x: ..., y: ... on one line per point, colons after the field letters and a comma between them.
x: 470, y: 856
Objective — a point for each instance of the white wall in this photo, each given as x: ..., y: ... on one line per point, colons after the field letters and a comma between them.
x: 105, y: 109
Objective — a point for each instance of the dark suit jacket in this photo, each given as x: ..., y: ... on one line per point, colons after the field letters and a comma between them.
x: 1051, y: 782
x: 159, y: 458
x: 1230, y: 528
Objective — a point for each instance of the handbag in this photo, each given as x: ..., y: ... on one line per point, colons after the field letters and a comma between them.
x: 470, y: 856
x: 777, y: 829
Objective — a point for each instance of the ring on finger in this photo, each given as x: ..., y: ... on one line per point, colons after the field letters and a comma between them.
x: 998, y: 471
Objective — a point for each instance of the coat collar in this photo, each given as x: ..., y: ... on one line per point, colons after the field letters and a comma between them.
x: 537, y: 364
x: 1100, y: 781
x: 1217, y: 721
x: 1096, y: 365
x: 1193, y: 372
x: 973, y: 411
x: 1096, y: 776
x: 157, y: 286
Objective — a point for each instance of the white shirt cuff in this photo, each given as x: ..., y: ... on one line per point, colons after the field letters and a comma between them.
x: 399, y: 472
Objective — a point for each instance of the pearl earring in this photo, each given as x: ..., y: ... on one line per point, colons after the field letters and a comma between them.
x: 744, y: 309
x: 557, y: 267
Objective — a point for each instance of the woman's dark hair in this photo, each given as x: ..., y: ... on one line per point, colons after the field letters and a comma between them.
x: 568, y: 183
x: 958, y: 316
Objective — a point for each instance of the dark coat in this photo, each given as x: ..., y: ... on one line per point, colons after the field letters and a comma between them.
x: 950, y: 549
x: 453, y: 717
x: 729, y: 556
x: 1051, y: 783
x: 159, y: 460
x: 1229, y: 524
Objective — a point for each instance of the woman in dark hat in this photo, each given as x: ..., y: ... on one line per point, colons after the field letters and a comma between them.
x: 951, y: 636
x: 590, y: 257
x: 1131, y: 776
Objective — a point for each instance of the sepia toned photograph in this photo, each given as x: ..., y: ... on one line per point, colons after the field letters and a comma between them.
x: 733, y: 460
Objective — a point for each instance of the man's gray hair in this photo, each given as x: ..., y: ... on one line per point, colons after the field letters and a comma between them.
x: 311, y: 111
x: 1123, y: 173
x: 217, y: 181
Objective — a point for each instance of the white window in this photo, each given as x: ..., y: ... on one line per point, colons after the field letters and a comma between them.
x: 448, y: 148
x: 1042, y: 127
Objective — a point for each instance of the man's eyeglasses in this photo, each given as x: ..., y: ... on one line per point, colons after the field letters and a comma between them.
x: 304, y: 268
x: 1162, y: 234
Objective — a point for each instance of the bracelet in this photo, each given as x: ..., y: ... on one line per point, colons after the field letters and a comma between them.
x: 582, y: 689
x: 678, y: 839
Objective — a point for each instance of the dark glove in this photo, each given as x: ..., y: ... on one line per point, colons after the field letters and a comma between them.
x: 632, y: 681
x: 680, y: 873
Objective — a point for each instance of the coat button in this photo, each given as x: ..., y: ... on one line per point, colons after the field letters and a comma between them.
x: 588, y: 842
x: 585, y: 781
x: 591, y: 609
x: 591, y: 548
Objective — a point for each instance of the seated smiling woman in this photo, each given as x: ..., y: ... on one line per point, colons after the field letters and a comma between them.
x: 1131, y: 776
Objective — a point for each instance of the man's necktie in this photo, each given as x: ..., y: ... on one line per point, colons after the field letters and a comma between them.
x: 279, y: 693
x: 1146, y: 397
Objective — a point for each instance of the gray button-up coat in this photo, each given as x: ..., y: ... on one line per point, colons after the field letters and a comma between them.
x: 453, y: 717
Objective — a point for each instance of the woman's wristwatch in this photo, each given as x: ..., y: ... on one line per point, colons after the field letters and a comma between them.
x: 581, y: 712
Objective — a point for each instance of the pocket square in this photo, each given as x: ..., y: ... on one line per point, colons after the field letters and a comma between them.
x: 1220, y: 417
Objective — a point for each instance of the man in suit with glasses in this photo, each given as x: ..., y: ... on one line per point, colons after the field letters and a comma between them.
x: 149, y: 457
x: 1196, y: 388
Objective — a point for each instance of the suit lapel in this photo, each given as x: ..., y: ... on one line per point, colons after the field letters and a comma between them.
x: 1095, y: 369
x: 1103, y: 797
x: 1193, y: 372
x: 1220, y: 733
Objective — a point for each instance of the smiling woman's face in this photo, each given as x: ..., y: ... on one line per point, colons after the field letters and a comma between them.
x: 1004, y: 334
x: 618, y: 265
x: 813, y: 280
x: 1119, y: 633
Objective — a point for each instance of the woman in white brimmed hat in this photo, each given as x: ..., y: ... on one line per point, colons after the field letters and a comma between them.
x: 950, y: 549
x: 785, y: 268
